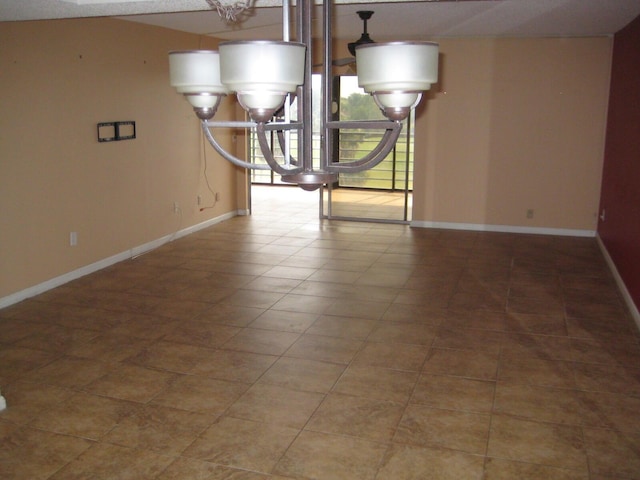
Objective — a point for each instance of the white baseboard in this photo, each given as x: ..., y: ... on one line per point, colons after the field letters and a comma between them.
x: 633, y: 308
x: 107, y: 262
x: 479, y: 227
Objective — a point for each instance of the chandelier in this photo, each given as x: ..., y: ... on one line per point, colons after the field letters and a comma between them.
x: 267, y: 75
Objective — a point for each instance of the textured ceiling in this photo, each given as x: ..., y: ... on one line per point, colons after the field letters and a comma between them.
x: 400, y: 20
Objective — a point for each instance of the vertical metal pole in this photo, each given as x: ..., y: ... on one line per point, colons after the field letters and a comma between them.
x: 286, y: 36
x: 406, y: 169
x: 304, y: 9
x: 327, y: 87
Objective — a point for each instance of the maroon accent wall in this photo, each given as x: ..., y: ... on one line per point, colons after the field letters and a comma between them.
x: 620, y: 197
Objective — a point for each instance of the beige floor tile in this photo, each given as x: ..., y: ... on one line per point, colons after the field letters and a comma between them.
x: 462, y: 363
x: 357, y: 417
x: 84, y: 415
x: 328, y: 284
x: 611, y: 410
x: 542, y: 304
x: 145, y: 327
x: 335, y: 276
x: 331, y: 331
x: 170, y: 356
x: 432, y: 427
x: 15, y: 329
x: 409, y: 462
x: 394, y: 356
x: 253, y: 298
x: 227, y: 314
x: 197, y: 393
x: 302, y: 374
x: 544, y: 347
x: 499, y: 469
x: 409, y: 333
x: 70, y: 372
x: 109, y: 347
x: 612, y: 453
x: 276, y: 405
x: 288, y: 272
x: 541, y: 443
x: 36, y: 455
x: 325, y: 349
x: 294, y: 302
x: 203, y: 334
x: 234, y: 366
x: 399, y: 312
x: 15, y: 362
x: 344, y: 327
x: 473, y: 301
x: 542, y: 324
x: 544, y: 404
x: 613, y: 379
x: 265, y: 342
x: 605, y: 352
x: 534, y: 371
x: 330, y: 457
x: 468, y: 339
x: 601, y: 327
x: 486, y: 320
x: 347, y: 307
x: 25, y: 400
x: 56, y: 338
x: 243, y: 444
x: 296, y: 322
x: 273, y: 284
x: 112, y: 461
x: 377, y: 383
x: 164, y: 430
x: 193, y: 469
x: 454, y: 393
x: 130, y: 382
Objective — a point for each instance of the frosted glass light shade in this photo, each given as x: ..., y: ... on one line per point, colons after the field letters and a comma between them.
x: 262, y: 73
x: 397, y: 66
x: 262, y: 65
x: 203, y: 100
x: 196, y: 71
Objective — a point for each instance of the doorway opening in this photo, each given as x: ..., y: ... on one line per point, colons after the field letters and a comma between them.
x: 382, y: 194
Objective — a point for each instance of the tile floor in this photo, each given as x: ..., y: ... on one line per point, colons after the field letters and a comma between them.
x: 282, y: 347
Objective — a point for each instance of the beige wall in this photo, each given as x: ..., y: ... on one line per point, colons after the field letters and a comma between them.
x: 515, y: 124
x: 58, y: 80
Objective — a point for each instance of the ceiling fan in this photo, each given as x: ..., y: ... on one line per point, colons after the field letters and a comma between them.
x: 364, y: 38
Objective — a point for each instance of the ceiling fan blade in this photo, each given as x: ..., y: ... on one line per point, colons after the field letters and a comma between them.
x: 364, y: 39
x: 340, y: 62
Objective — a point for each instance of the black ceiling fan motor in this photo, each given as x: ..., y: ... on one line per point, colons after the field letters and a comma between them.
x: 364, y: 38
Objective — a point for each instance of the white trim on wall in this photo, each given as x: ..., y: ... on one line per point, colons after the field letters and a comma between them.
x: 107, y: 262
x: 623, y: 288
x: 480, y: 227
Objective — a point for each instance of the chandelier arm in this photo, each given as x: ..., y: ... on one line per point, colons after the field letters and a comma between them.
x: 267, y: 126
x: 282, y: 141
x: 226, y: 155
x: 265, y: 148
x: 373, y: 158
x: 364, y: 125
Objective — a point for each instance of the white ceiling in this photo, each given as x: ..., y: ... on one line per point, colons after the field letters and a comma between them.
x: 393, y: 20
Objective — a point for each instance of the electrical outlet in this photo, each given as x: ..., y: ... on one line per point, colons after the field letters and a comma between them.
x: 198, y: 200
x: 530, y: 213
x: 73, y: 239
x: 176, y: 207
